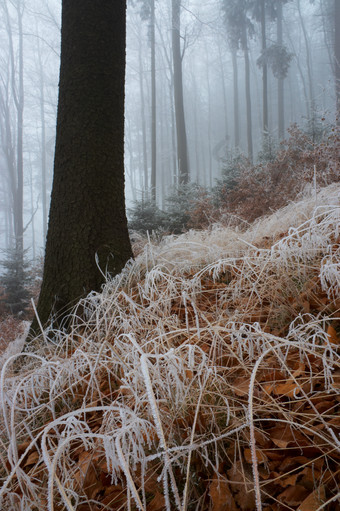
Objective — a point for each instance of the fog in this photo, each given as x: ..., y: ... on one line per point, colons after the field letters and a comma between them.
x: 219, y: 117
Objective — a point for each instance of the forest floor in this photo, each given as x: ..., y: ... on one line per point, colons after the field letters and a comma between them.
x: 205, y: 377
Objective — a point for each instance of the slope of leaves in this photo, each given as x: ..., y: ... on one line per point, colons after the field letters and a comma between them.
x: 205, y: 377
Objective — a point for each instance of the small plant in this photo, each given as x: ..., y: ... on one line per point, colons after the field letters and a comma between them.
x: 145, y: 216
x: 178, y: 206
x: 15, y: 281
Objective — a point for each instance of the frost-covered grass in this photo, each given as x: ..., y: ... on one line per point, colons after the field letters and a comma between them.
x: 209, y: 366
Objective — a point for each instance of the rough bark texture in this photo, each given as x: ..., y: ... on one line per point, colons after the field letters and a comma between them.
x: 182, y: 149
x: 87, y: 213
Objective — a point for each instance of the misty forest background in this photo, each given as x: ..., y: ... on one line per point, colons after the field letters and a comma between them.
x: 202, y: 374
x: 212, y: 90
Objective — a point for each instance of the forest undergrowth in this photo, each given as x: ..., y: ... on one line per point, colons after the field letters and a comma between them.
x: 205, y: 377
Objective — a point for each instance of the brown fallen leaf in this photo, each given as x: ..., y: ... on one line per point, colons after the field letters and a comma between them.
x: 242, y: 485
x: 221, y: 496
x: 157, y: 503
x: 332, y: 335
x: 288, y: 389
x: 293, y: 495
x: 241, y: 386
x: 314, y: 500
x: 260, y: 456
x: 32, y: 458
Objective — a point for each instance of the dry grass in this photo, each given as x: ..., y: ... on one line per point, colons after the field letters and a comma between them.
x: 205, y: 377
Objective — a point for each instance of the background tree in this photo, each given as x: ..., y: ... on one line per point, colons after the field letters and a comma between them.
x: 177, y: 55
x: 12, y: 118
x: 239, y: 27
x: 147, y: 12
x: 337, y: 56
x: 87, y: 214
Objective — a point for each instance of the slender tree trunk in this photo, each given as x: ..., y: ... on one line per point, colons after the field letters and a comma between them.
x: 43, y: 144
x: 210, y: 176
x: 16, y: 163
x: 153, y: 104
x: 87, y: 231
x: 302, y: 77
x: 309, y: 62
x: 264, y: 70
x: 280, y: 81
x: 224, y: 95
x: 236, y: 100
x: 20, y: 128
x: 182, y: 148
x: 337, y: 56
x: 248, y: 98
x: 142, y: 105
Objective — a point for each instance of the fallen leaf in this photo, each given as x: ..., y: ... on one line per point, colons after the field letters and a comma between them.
x: 32, y: 458
x: 293, y: 495
x: 157, y: 503
x: 288, y: 389
x: 260, y: 456
x: 221, y: 496
x: 332, y: 335
x: 314, y: 500
x: 242, y: 486
x: 241, y: 386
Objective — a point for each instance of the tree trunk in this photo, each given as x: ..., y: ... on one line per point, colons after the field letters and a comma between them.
x: 224, y: 95
x: 182, y: 149
x: 43, y: 144
x: 87, y: 232
x: 264, y: 70
x: 153, y: 103
x: 309, y: 63
x: 236, y: 100
x: 15, y: 163
x: 337, y: 57
x: 280, y: 81
x: 248, y: 97
x: 142, y: 104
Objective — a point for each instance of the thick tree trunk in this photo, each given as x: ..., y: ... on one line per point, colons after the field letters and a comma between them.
x: 182, y: 149
x: 87, y: 215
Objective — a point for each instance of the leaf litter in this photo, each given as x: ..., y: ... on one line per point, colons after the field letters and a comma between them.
x: 204, y: 377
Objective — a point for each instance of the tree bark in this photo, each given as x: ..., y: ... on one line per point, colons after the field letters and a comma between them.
x: 264, y: 70
x: 309, y: 63
x: 280, y: 81
x: 337, y: 57
x: 248, y: 97
x: 87, y: 215
x: 236, y: 100
x: 153, y: 103
x: 182, y: 149
x: 142, y: 104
